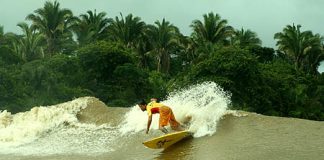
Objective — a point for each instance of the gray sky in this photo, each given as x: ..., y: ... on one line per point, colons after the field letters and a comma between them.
x: 265, y: 17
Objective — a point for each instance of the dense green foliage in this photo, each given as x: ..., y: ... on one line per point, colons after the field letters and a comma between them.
x: 122, y: 60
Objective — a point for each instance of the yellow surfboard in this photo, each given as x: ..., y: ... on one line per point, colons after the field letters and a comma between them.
x: 167, y: 140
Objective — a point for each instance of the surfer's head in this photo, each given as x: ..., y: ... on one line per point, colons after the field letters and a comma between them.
x: 142, y: 104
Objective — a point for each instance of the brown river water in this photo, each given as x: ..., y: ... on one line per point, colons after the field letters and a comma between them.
x: 86, y: 128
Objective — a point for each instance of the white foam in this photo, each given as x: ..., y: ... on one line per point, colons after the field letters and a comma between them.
x: 204, y: 103
x: 136, y: 121
x: 236, y: 113
x: 83, y: 139
x: 43, y: 130
x: 27, y: 126
x: 54, y: 130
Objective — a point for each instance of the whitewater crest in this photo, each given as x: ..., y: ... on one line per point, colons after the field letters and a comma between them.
x: 86, y: 125
x: 200, y: 106
x: 27, y: 126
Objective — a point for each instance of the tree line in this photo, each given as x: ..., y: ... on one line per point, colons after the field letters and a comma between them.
x: 120, y: 60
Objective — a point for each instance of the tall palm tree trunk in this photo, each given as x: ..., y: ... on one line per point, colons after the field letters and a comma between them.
x: 50, y: 49
x: 163, y: 61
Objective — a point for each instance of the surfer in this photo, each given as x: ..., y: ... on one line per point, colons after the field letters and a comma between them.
x: 166, y: 115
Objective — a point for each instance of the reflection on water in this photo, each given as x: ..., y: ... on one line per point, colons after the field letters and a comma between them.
x: 253, y: 137
x: 182, y: 150
x: 250, y: 137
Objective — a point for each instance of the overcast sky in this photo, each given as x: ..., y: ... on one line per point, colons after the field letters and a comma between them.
x: 265, y: 17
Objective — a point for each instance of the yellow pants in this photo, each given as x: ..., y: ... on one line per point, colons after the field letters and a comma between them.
x: 167, y: 116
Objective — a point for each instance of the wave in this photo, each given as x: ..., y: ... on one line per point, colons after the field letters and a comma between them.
x: 25, y: 127
x: 60, y: 128
x: 200, y: 106
x: 87, y: 126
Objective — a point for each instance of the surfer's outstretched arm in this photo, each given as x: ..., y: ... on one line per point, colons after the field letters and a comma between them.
x: 149, y: 121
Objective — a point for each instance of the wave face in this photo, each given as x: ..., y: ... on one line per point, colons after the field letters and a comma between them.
x: 202, y: 105
x: 27, y: 126
x: 86, y: 125
x: 53, y: 130
x: 85, y: 128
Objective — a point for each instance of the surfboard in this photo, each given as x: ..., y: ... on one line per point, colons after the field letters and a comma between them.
x: 167, y: 140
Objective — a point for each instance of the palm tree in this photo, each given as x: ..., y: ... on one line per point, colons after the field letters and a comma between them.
x: 131, y: 32
x: 299, y: 45
x: 128, y: 30
x: 143, y: 47
x: 90, y: 26
x: 55, y: 23
x: 244, y: 38
x: 315, y: 56
x: 213, y: 29
x: 164, y: 37
x: 187, y: 48
x: 29, y: 45
x: 3, y: 37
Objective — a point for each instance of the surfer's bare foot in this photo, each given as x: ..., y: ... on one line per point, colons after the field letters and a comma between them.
x: 180, y: 128
x: 164, y: 130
